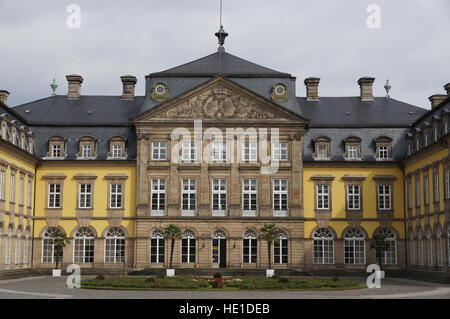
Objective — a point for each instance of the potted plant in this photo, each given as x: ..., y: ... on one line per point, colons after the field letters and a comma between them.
x: 380, y: 245
x: 172, y: 232
x: 59, y: 241
x: 270, y: 234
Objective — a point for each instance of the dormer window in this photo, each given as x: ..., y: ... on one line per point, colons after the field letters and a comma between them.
x: 435, y: 132
x: 425, y: 137
x: 117, y: 151
x: 87, y: 148
x: 56, y: 150
x: 417, y: 142
x: 383, y: 148
x: 87, y: 151
x: 322, y: 149
x: 445, y: 125
x: 117, y: 148
x: 353, y: 148
x: 56, y: 147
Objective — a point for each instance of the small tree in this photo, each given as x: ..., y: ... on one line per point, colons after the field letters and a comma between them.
x: 172, y: 232
x: 59, y: 241
x: 270, y: 233
x: 380, y: 245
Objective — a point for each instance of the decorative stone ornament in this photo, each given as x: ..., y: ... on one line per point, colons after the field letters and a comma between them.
x: 160, y: 92
x: 280, y: 93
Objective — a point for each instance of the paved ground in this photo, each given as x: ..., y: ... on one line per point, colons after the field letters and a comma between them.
x: 54, y: 288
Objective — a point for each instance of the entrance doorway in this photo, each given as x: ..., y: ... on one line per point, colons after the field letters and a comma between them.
x: 219, y: 252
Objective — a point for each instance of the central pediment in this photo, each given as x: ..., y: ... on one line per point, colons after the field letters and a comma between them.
x: 219, y: 99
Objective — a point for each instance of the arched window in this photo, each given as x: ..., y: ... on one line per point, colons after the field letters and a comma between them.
x: 420, y: 240
x: 188, y: 246
x: 8, y: 246
x: 48, y: 247
x: 439, y: 253
x: 17, y: 247
x: 412, y: 249
x: 157, y: 247
x: 25, y: 248
x: 83, y: 246
x: 280, y: 249
x: 389, y: 257
x: 216, y: 250
x: 354, y: 247
x: 430, y: 248
x: 323, y: 247
x: 115, y: 245
x: 250, y: 247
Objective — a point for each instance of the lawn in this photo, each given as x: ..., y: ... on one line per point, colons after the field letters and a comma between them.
x: 235, y: 283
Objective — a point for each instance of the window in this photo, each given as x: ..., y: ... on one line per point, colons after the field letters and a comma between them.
x: 2, y: 184
x: 8, y: 247
x: 115, y: 245
x: 322, y: 152
x: 354, y: 247
x: 352, y: 152
x: 420, y: 239
x: 430, y: 248
x: 157, y: 247
x: 21, y: 190
x: 12, y: 188
x: 250, y: 247
x: 219, y: 151
x: 280, y: 197
x: 49, y: 252
x: 249, y: 197
x: 116, y: 195
x: 56, y: 150
x: 384, y: 197
x: 352, y: 148
x: 87, y: 147
x: 445, y: 125
x: 426, y: 189
x: 189, y: 151
x: 219, y: 197
x: 188, y: 245
x: 439, y: 252
x: 435, y: 132
x: 86, y: 151
x: 425, y: 137
x: 117, y: 151
x: 447, y: 183
x: 280, y: 151
x: 323, y: 196
x: 417, y: 142
x: 280, y: 249
x: 249, y: 151
x: 409, y: 189
x: 322, y: 147
x: 353, y: 197
x: 158, y: 197
x: 85, y: 195
x: 436, y: 186
x: 25, y: 248
x: 217, y: 237
x: 412, y: 247
x: 417, y: 191
x: 409, y: 149
x: 117, y: 148
x: 29, y: 190
x: 389, y: 257
x: 383, y: 152
x: 189, y: 197
x: 159, y: 151
x: 83, y: 246
x: 323, y: 247
x: 17, y: 247
x: 54, y: 195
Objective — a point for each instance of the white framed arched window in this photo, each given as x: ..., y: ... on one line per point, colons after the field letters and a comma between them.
x: 280, y: 249
x: 323, y: 246
x: 115, y: 246
x: 412, y: 248
x: 430, y: 248
x: 83, y: 246
x: 17, y: 247
x: 25, y: 248
x: 188, y: 247
x: 439, y: 252
x: 157, y: 247
x: 250, y: 247
x: 354, y: 247
x: 420, y: 240
x: 48, y: 247
x: 8, y: 246
x: 388, y: 257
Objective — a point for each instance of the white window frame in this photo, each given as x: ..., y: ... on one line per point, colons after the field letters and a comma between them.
x: 426, y: 186
x: 219, y: 195
x: 83, y: 244
x: 17, y: 248
x: 117, y: 151
x: 21, y: 189
x: 383, y: 152
x: 160, y: 239
x: 447, y: 183
x: 436, y: 193
x: 2, y: 184
x: 187, y: 193
x: 158, y: 193
x: 12, y: 188
x: 219, y: 152
x: 115, y: 196
x: 86, y: 151
x: 189, y: 151
x: 354, y: 247
x: 417, y: 187
x: 279, y: 257
x: 29, y: 192
x: 323, y: 247
x: 249, y: 244
x: 353, y: 197
x: 115, y: 244
x: 189, y: 241
x: 250, y: 152
x: 54, y: 196
x: 280, y: 151
x: 322, y: 152
x: 352, y: 152
x: 56, y: 151
x: 249, y: 195
x: 25, y: 248
x: 85, y: 193
x: 280, y: 194
x: 159, y: 151
x: 8, y: 247
x: 384, y: 197
x: 322, y: 196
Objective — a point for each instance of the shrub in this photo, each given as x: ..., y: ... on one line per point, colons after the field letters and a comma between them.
x: 150, y: 280
x: 100, y: 277
x: 217, y: 275
x: 276, y: 277
x: 283, y: 280
x: 334, y: 278
x: 217, y: 283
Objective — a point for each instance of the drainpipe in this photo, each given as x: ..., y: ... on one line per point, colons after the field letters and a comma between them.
x: 404, y: 215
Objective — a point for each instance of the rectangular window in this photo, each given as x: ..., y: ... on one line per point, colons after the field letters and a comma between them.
x: 447, y: 183
x: 219, y: 197
x: 158, y: 197
x: 323, y: 196
x: 249, y: 152
x: 117, y: 151
x: 116, y: 196
x: 250, y: 251
x: 189, y: 197
x: 322, y: 152
x: 383, y: 152
x: 188, y: 250
x: 249, y: 197
x: 54, y: 195
x: 436, y: 133
x: 384, y: 197
x: 353, y: 197
x: 21, y: 190
x: 12, y: 189
x: 87, y: 151
x: 85, y: 195
x: 417, y: 192
x: 2, y: 184
x: 280, y: 151
x: 56, y: 150
x: 29, y: 190
x: 409, y: 189
x: 426, y: 189
x: 159, y: 151
x: 189, y: 151
x: 352, y: 151
x: 219, y: 151
x: 436, y: 194
x: 280, y: 197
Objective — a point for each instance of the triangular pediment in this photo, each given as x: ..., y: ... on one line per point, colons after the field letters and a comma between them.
x: 220, y: 100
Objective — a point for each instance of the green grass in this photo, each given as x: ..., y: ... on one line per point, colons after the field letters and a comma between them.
x: 240, y: 283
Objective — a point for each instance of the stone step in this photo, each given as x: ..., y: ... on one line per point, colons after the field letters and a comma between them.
x: 18, y: 273
x: 431, y: 276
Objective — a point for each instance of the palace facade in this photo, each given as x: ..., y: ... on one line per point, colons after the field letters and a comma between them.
x: 221, y: 146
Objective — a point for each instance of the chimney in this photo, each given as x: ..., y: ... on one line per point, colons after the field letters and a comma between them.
x: 437, y: 99
x: 366, y: 88
x: 312, y: 89
x: 447, y: 88
x: 74, y: 86
x: 129, y: 84
x: 3, y: 96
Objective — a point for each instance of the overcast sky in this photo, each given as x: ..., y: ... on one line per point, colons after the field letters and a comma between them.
x: 323, y: 38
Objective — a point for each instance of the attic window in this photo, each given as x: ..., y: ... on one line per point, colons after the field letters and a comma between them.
x: 56, y: 147
x: 279, y: 90
x: 87, y: 148
x: 117, y: 148
x: 322, y: 149
x: 353, y: 148
x: 383, y: 148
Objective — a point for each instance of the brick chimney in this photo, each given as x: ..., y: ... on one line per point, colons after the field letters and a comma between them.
x: 437, y: 99
x: 366, y: 88
x: 74, y: 86
x: 4, y: 96
x: 129, y: 84
x: 312, y: 89
x: 447, y: 88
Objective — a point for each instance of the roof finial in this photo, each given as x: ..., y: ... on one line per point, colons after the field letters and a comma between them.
x: 387, y: 87
x: 221, y: 34
x: 54, y: 86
